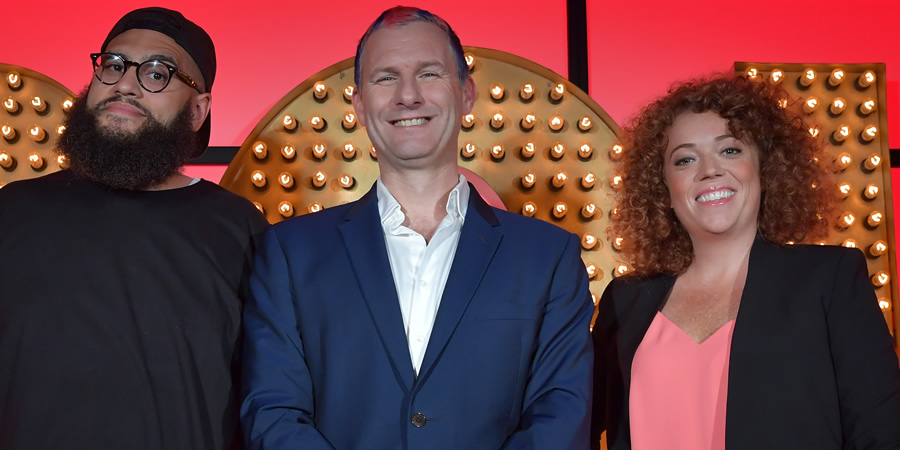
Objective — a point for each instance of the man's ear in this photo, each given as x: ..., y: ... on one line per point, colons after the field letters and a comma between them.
x: 200, y: 104
x: 469, y: 91
x: 358, y: 107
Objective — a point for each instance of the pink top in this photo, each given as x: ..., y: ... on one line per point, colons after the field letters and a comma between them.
x: 679, y: 389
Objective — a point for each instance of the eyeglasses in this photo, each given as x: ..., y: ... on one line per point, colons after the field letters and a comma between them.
x: 153, y: 75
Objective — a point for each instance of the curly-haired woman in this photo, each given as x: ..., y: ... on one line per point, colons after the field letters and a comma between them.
x: 728, y: 331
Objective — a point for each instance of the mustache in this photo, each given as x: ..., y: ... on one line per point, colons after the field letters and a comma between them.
x: 123, y: 99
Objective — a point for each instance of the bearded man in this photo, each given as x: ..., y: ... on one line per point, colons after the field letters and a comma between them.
x: 122, y: 279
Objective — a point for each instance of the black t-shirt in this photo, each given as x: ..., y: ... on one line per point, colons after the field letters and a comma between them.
x: 120, y: 314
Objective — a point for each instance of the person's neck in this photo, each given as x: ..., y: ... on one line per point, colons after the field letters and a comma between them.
x: 721, y: 256
x: 176, y: 181
x: 422, y: 195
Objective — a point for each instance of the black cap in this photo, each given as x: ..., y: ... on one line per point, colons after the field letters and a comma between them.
x: 186, y: 34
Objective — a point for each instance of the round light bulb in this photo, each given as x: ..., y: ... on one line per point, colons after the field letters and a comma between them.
x: 880, y: 279
x: 868, y: 134
x: 258, y: 178
x: 870, y: 192
x: 286, y: 209
x: 527, y: 122
x: 14, y: 80
x: 556, y: 94
x: 6, y: 160
x: 67, y: 104
x: 559, y: 210
x: 348, y: 151
x: 616, y: 152
x: 878, y: 248
x: 8, y: 132
x: 289, y: 122
x: 319, y: 151
x: 526, y: 92
x: 585, y: 124
x: 556, y: 122
x: 588, y: 241
x: 286, y: 180
x: 319, y: 179
x: 846, y: 220
x: 497, y: 92
x: 849, y: 243
x: 585, y: 151
x: 320, y: 90
x: 528, y: 150
x: 349, y: 121
x: 837, y: 106
x: 591, y: 270
x: 11, y: 105
x: 843, y: 161
x: 470, y: 61
x: 844, y: 189
x: 867, y: 107
x: 841, y: 133
x: 559, y: 180
x: 866, y: 79
x: 874, y: 219
x: 346, y: 181
x: 497, y: 152
x: 615, y: 182
x: 288, y: 151
x: 529, y: 209
x: 497, y: 120
x: 811, y: 104
x: 588, y: 180
x: 317, y: 122
x: 468, y: 121
x: 557, y: 151
x: 836, y: 77
x: 314, y: 207
x: 776, y: 76
x: 872, y: 162
x: 348, y: 92
x: 807, y: 78
x: 588, y: 210
x: 528, y: 179
x: 468, y: 150
x: 260, y: 150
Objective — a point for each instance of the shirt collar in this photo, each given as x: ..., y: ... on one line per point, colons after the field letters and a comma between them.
x: 392, y: 215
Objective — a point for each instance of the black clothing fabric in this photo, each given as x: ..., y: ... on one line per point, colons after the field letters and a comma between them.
x: 120, y: 314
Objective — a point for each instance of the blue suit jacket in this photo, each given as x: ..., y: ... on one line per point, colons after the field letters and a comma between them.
x: 327, y: 365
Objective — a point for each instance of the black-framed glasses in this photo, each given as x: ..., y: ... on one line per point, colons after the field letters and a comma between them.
x: 153, y: 75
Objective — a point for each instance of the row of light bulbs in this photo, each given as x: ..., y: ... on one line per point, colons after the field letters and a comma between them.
x: 35, y: 132
x: 497, y: 122
x: 837, y: 106
x: 497, y: 92
x: 809, y: 75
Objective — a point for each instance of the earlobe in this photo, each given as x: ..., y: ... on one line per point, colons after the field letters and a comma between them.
x: 200, y: 105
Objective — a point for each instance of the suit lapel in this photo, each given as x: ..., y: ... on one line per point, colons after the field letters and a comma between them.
x: 478, y: 242
x: 366, y: 250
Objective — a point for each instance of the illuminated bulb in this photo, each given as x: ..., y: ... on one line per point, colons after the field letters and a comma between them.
x: 259, y: 206
x: 529, y: 179
x: 349, y: 121
x: 317, y: 122
x: 528, y: 209
x: 348, y: 92
x: 314, y: 207
x: 286, y: 209
x: 318, y: 151
x: 621, y: 269
x: 783, y: 103
x: 811, y: 104
x: 62, y: 161
x: 468, y: 121
x: 35, y: 161
x: 880, y: 279
x: 526, y: 92
x: 869, y: 133
x: 37, y: 133
x: 616, y: 152
x: 348, y: 151
x: 528, y: 150
x: 556, y: 94
x: 809, y: 75
x: 14, y: 80
x: 871, y: 192
x: 849, y: 243
x: 320, y: 90
x: 596, y: 299
x: 9, y: 133
x: 6, y: 161
x: 814, y: 132
x: 591, y: 270
x: 618, y: 242
x: 260, y: 150
x: 497, y: 91
x: 527, y: 122
x: 845, y: 189
x: 837, y: 75
x: 288, y: 151
x: 559, y: 180
x: 616, y: 182
x: 319, y: 179
x: 585, y: 124
x: 837, y: 106
x: 497, y: 152
x: 497, y: 120
x: 557, y: 151
x: 556, y: 122
x: 878, y: 248
x: 866, y: 79
x: 846, y: 220
x: 60, y: 129
x: 11, y: 105
x: 289, y: 122
x: 67, y: 104
x: 559, y: 210
x: 841, y: 134
x: 258, y: 178
x: 776, y: 76
x: 872, y: 162
x: 373, y: 153
x: 585, y: 151
x: 588, y: 210
x: 588, y: 180
x: 752, y: 73
x: 843, y: 161
x: 468, y: 150
x: 346, y: 181
x: 875, y: 219
x: 470, y: 61
x: 588, y: 241
x: 286, y: 180
x: 867, y: 107
x: 883, y: 303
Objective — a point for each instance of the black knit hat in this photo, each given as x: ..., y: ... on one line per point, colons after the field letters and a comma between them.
x: 186, y: 34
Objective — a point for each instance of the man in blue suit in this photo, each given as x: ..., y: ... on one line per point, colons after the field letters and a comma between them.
x: 417, y: 317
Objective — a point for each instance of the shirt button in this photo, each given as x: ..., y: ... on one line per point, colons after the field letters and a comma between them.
x: 421, y: 339
x: 418, y: 420
x: 423, y: 283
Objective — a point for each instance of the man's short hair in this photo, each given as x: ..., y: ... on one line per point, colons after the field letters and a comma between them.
x: 403, y: 15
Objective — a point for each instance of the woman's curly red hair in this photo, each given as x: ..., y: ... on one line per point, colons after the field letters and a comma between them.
x: 798, y: 193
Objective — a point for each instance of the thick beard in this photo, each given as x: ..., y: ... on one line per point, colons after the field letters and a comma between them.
x: 119, y: 159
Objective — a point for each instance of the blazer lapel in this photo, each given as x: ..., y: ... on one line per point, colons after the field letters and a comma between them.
x: 366, y: 250
x: 478, y: 242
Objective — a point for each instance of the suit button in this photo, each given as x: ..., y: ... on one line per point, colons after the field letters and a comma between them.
x: 418, y: 420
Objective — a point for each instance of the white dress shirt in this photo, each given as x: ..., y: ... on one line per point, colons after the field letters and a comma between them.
x: 421, y: 269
